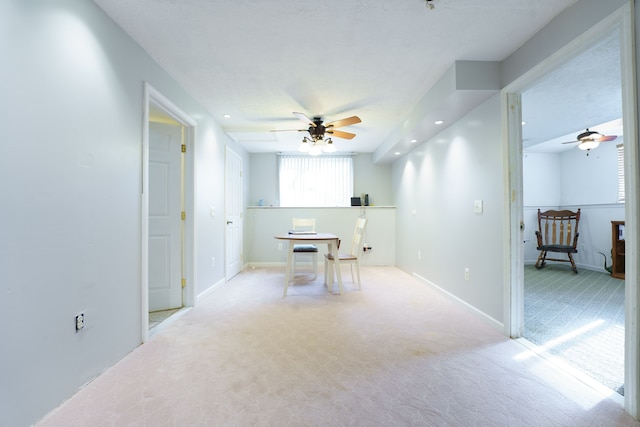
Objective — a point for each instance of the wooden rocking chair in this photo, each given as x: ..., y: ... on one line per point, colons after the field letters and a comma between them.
x: 557, y: 232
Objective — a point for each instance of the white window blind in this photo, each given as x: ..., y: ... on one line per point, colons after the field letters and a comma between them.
x: 306, y: 181
x: 620, y: 148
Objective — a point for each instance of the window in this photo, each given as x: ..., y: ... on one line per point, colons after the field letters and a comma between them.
x: 620, y: 148
x: 306, y: 181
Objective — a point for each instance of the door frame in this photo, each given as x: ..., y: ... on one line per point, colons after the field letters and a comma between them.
x: 512, y: 162
x: 153, y: 96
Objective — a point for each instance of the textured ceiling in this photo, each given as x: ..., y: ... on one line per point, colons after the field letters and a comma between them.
x: 261, y: 61
x: 583, y: 93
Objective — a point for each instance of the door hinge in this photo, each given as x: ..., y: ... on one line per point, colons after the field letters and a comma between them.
x: 184, y: 282
x: 183, y: 148
x: 183, y: 215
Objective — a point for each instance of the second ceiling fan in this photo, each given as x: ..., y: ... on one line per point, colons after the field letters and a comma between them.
x: 589, y: 140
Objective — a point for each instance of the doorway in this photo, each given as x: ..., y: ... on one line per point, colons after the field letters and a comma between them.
x: 576, y: 318
x: 166, y: 207
x: 167, y: 239
x: 233, y: 213
x: 520, y: 222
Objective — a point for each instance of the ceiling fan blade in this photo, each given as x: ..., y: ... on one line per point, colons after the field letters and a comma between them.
x: 341, y: 134
x: 304, y: 118
x: 604, y: 138
x: 570, y: 142
x: 344, y: 122
x: 288, y: 130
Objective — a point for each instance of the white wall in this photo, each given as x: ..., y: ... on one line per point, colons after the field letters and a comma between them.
x: 72, y: 110
x: 372, y: 179
x: 264, y: 179
x: 592, y: 179
x: 435, y: 187
x: 263, y: 223
x: 540, y: 179
x: 369, y: 178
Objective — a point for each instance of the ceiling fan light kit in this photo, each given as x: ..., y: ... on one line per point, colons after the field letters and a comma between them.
x: 330, y: 148
x: 588, y: 140
x: 316, y: 148
x: 315, y: 151
x: 305, y: 147
x: 588, y: 144
x: 589, y: 135
x: 316, y: 143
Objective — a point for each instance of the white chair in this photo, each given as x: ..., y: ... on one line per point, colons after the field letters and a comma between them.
x: 305, y: 224
x: 351, y: 258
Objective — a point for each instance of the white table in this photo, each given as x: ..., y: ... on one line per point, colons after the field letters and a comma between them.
x: 331, y: 240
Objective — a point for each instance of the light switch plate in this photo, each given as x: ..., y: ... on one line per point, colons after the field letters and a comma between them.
x: 477, y: 206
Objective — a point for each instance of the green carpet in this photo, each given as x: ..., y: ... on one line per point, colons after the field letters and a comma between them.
x: 578, y: 317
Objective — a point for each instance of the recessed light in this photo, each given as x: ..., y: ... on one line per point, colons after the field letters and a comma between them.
x: 227, y: 116
x: 397, y: 153
x: 413, y: 141
x: 439, y: 122
x: 524, y: 123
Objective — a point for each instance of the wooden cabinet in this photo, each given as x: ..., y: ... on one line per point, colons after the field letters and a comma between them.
x: 617, y: 249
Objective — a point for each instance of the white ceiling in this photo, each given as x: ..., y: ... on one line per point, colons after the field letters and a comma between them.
x: 261, y: 61
x: 583, y: 93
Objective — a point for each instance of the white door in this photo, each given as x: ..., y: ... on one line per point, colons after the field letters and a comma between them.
x: 165, y: 222
x: 233, y: 213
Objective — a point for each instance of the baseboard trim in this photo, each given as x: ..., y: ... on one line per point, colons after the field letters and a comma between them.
x: 282, y: 264
x: 211, y: 289
x: 499, y: 326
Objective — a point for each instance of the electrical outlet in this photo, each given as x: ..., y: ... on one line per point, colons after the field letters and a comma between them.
x: 279, y: 246
x: 466, y: 274
x: 79, y: 322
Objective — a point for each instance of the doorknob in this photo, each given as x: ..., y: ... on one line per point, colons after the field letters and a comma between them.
x: 229, y: 222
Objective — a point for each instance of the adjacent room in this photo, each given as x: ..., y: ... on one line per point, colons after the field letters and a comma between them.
x: 578, y: 317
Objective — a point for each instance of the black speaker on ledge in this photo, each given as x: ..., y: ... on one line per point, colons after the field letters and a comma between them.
x: 360, y: 201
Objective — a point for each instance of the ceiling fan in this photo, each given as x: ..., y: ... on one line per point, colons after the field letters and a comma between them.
x: 589, y: 140
x: 317, y: 127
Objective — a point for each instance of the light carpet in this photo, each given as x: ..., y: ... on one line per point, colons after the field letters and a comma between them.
x: 578, y: 317
x: 397, y: 353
